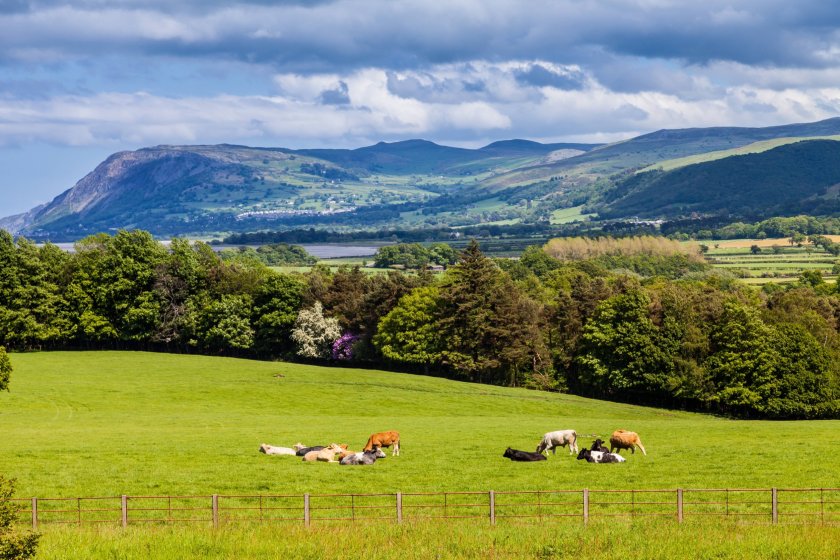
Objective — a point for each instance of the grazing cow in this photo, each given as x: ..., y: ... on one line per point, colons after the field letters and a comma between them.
x: 622, y: 439
x: 384, y: 439
x: 560, y: 438
x: 327, y: 454
x: 598, y: 445
x: 272, y: 450
x: 600, y: 456
x: 517, y: 455
x: 362, y: 457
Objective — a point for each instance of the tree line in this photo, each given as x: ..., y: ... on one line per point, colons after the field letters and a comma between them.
x: 629, y: 323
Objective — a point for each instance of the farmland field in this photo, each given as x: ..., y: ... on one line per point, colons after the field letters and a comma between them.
x: 111, y: 423
x: 778, y: 260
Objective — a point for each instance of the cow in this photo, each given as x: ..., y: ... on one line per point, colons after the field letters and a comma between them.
x: 327, y: 454
x: 376, y: 450
x: 362, y: 457
x: 600, y: 457
x: 304, y: 450
x: 517, y: 455
x: 560, y: 438
x: 598, y: 445
x: 622, y: 439
x: 272, y: 450
x: 384, y: 439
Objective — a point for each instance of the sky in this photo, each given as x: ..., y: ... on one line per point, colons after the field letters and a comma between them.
x: 82, y: 79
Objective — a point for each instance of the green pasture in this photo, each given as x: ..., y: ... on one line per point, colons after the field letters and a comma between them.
x: 568, y: 215
x: 787, y: 263
x: 145, y: 424
x: 650, y: 540
x: 111, y: 423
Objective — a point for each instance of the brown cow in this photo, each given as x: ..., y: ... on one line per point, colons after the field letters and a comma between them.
x: 622, y: 439
x: 384, y: 439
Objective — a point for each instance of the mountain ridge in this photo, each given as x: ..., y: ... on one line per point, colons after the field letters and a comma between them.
x: 416, y: 183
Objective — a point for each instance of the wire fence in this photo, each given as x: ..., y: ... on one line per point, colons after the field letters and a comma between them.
x: 770, y: 505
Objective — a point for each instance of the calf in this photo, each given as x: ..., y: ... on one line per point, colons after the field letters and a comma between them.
x: 517, y: 455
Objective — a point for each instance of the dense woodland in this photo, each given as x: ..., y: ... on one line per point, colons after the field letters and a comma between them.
x: 636, y: 320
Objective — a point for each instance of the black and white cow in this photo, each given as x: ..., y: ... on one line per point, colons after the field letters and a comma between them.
x: 600, y: 456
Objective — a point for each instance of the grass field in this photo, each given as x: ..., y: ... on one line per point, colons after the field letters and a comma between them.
x: 133, y: 423
x: 784, y: 264
x: 111, y: 423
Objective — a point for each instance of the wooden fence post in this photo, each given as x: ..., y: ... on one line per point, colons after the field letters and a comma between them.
x: 215, y: 502
x: 492, y: 507
x: 34, y: 513
x: 124, y: 510
x: 399, y: 507
x: 774, y: 497
x: 586, y: 505
x: 680, y: 505
x: 306, y: 509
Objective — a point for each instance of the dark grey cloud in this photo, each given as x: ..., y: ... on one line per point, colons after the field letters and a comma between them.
x: 337, y: 96
x: 304, y: 36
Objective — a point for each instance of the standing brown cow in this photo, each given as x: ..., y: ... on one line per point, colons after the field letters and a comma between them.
x: 384, y: 439
x: 623, y: 439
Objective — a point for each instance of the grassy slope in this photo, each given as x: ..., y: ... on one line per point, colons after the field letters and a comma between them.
x: 754, y: 148
x: 107, y: 423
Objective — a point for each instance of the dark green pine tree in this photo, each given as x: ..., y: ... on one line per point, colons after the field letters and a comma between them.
x: 490, y: 331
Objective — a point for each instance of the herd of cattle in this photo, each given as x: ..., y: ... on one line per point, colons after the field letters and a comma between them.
x: 336, y: 452
x: 597, y: 453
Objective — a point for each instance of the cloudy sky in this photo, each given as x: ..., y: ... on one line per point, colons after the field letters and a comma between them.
x: 81, y: 79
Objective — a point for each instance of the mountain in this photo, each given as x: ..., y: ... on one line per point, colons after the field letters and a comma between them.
x: 208, y: 190
x: 797, y: 178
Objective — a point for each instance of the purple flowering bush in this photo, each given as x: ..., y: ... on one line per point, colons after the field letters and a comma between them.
x: 342, y: 348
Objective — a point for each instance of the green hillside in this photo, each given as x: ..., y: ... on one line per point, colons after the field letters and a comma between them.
x: 754, y: 148
x: 108, y: 423
x: 788, y: 180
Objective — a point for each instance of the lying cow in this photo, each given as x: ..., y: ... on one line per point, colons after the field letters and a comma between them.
x: 559, y: 438
x: 376, y: 451
x: 273, y: 450
x: 600, y: 456
x: 304, y: 450
x: 384, y: 439
x: 362, y: 457
x: 517, y: 455
x: 327, y: 454
x: 598, y: 445
x: 622, y: 439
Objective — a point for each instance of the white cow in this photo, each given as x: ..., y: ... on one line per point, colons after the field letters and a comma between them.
x: 559, y: 438
x: 272, y: 450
